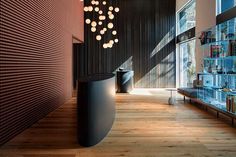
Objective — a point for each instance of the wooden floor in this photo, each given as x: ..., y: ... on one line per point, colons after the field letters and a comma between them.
x: 145, y: 126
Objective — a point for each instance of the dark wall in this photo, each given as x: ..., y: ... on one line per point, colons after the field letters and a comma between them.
x: 35, y: 59
x: 144, y: 43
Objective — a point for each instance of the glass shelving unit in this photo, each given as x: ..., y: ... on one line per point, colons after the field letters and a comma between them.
x: 218, y: 74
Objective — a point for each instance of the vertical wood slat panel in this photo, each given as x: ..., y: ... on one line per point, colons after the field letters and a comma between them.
x: 141, y: 24
x: 35, y: 57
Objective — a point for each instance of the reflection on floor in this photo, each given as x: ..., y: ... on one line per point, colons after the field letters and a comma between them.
x: 145, y: 126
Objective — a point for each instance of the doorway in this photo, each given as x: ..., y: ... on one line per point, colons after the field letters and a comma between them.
x: 76, y: 50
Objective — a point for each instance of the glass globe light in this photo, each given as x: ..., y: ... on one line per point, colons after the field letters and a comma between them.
x: 117, y: 9
x: 104, y: 29
x: 102, y: 32
x: 96, y: 9
x: 110, y: 25
x: 104, y: 2
x: 109, y: 45
x: 86, y: 9
x: 111, y: 42
x: 93, y: 29
x: 111, y: 8
x: 116, y: 40
x: 104, y: 46
x: 114, y: 32
x: 90, y: 8
x: 94, y: 24
x: 109, y: 12
x: 100, y: 23
x: 87, y: 21
x: 98, y: 37
x: 100, y: 12
x: 111, y: 16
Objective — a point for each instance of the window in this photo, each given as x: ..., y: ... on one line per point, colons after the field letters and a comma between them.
x: 186, y: 17
x: 187, y: 63
x: 224, y: 5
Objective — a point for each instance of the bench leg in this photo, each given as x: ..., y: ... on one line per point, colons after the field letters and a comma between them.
x: 184, y: 98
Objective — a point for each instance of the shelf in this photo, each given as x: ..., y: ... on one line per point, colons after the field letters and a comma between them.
x: 220, y: 58
x: 212, y: 87
x: 228, y: 93
x: 218, y: 109
x: 217, y: 41
x: 217, y: 74
x: 213, y: 102
x: 219, y: 89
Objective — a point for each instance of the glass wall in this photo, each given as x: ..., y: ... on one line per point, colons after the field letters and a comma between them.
x: 187, y: 63
x: 224, y: 5
x: 186, y: 17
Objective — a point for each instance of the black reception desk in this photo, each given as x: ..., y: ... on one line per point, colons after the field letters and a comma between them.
x: 96, y: 108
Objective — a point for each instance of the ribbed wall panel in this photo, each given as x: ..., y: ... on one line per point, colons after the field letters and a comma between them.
x: 35, y: 59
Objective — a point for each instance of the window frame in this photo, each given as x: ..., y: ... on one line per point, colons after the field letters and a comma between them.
x: 186, y: 5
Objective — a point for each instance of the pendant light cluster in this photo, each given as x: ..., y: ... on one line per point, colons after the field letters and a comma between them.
x: 104, y: 22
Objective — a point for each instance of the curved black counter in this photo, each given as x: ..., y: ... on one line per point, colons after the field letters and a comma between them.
x: 96, y: 108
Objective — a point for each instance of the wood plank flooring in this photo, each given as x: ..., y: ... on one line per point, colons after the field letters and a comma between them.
x: 145, y: 126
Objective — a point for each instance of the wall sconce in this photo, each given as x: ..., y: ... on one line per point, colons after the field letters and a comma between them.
x: 104, y: 21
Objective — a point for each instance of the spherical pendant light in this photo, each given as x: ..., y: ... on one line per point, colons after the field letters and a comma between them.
x: 93, y: 29
x: 111, y: 8
x: 87, y: 21
x: 90, y: 8
x: 111, y: 42
x: 94, y: 24
x: 93, y: 2
x: 96, y: 9
x: 114, y: 32
x: 109, y: 45
x: 117, y: 9
x: 86, y: 9
x: 105, y: 46
x: 111, y: 16
x: 100, y: 12
x: 116, y: 40
x: 100, y: 23
x: 104, y: 2
x: 102, y: 32
x: 110, y: 25
x: 98, y: 37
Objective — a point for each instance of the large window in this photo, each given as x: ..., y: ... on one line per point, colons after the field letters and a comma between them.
x: 224, y: 5
x: 187, y: 63
x: 186, y: 68
x: 186, y: 17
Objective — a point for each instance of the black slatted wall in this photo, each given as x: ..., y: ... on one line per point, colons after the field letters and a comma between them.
x: 144, y: 28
